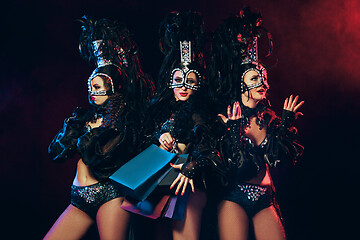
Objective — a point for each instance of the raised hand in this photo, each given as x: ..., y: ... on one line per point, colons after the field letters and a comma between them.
x: 235, y: 114
x: 291, y: 104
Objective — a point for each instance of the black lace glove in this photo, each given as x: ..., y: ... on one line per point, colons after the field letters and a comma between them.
x: 204, y: 153
x: 198, y: 162
x: 235, y: 134
x: 234, y: 130
x: 287, y: 119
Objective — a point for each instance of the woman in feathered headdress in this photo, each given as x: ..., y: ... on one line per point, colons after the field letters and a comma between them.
x: 107, y: 136
x: 181, y: 112
x: 255, y: 138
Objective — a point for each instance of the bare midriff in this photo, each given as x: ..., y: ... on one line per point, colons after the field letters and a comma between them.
x: 84, y: 176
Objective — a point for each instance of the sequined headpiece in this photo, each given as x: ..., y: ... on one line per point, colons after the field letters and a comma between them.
x: 103, y: 60
x: 251, y: 22
x: 108, y: 45
x: 263, y: 78
x: 104, y: 42
x: 182, y: 41
x: 234, y: 52
x: 185, y: 56
x: 250, y: 56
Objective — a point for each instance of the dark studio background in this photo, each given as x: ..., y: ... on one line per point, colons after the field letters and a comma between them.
x: 43, y: 78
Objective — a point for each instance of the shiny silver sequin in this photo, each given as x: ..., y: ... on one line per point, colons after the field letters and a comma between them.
x: 89, y: 193
x: 96, y: 193
x: 253, y: 192
x: 168, y: 126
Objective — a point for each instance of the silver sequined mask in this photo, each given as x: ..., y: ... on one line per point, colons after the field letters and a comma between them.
x: 102, y: 92
x: 185, y: 54
x: 263, y: 78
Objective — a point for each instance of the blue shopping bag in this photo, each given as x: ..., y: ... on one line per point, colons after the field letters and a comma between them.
x: 176, y: 206
x: 140, y: 176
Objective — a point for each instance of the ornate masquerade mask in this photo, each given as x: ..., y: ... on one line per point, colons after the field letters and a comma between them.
x: 251, y: 56
x: 102, y: 61
x: 263, y: 78
x: 104, y: 76
x: 185, y: 54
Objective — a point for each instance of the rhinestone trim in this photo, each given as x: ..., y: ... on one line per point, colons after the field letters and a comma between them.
x: 253, y: 192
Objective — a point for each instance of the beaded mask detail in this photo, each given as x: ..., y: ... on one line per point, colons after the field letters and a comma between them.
x: 251, y: 56
x: 185, y: 54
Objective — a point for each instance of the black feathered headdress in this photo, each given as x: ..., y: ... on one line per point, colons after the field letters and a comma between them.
x: 105, y: 41
x: 182, y: 42
x: 108, y: 45
x: 234, y: 51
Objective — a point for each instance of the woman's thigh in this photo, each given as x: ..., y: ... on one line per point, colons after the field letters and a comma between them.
x: 72, y: 224
x: 112, y: 220
x: 267, y: 225
x: 189, y: 227
x: 233, y: 221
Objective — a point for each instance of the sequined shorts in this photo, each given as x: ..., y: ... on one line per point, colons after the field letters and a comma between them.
x: 252, y: 198
x: 90, y: 198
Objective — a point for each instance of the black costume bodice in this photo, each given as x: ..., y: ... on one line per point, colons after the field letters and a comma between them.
x: 103, y: 149
x: 191, y: 126
x: 178, y: 120
x: 242, y: 159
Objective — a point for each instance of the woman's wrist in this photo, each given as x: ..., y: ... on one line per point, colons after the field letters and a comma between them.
x: 191, y: 169
x: 235, y: 129
x: 287, y: 118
